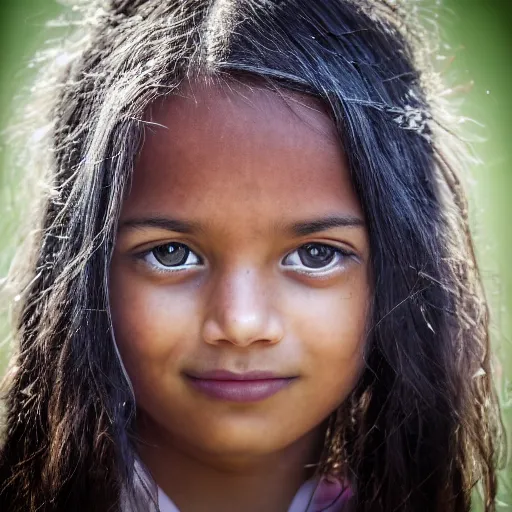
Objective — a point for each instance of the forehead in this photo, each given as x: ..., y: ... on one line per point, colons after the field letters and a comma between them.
x: 238, y: 152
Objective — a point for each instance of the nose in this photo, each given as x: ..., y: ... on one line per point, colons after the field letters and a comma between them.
x: 240, y: 311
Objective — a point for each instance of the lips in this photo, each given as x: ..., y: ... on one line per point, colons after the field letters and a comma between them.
x: 238, y: 387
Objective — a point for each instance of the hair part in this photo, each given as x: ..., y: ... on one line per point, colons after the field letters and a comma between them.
x: 422, y: 426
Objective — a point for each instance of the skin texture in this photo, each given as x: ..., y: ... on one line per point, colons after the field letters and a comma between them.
x: 244, y: 164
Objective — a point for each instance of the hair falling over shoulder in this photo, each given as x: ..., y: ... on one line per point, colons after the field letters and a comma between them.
x: 422, y: 427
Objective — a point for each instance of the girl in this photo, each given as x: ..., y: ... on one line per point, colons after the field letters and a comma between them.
x: 253, y: 287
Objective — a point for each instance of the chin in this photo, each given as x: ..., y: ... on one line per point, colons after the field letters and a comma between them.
x: 242, y: 443
x: 247, y: 438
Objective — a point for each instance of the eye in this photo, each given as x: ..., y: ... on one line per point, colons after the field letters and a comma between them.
x: 316, y: 258
x: 171, y: 257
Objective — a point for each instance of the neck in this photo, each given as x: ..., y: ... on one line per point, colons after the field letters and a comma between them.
x: 229, y: 483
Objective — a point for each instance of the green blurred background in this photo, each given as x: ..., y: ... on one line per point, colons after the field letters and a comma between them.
x: 477, y: 61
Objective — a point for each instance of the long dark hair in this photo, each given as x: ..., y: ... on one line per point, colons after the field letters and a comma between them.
x: 422, y: 426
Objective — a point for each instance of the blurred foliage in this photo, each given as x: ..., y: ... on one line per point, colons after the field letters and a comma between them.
x: 475, y: 60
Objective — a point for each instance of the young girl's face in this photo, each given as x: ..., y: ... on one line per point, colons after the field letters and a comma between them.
x: 241, y: 254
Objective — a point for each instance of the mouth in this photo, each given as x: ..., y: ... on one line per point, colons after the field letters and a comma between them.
x: 238, y: 387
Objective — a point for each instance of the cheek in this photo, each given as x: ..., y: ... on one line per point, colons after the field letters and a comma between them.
x: 154, y: 327
x: 331, y: 323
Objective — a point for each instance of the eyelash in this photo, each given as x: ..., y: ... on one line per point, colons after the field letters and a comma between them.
x: 339, y: 256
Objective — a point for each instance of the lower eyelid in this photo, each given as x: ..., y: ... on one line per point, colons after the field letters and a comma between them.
x: 164, y: 270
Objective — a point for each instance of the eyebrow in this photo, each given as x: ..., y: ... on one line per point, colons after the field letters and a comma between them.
x: 180, y: 226
x: 300, y: 228
x: 308, y: 227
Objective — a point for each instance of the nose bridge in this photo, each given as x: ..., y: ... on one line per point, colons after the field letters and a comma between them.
x: 240, y: 308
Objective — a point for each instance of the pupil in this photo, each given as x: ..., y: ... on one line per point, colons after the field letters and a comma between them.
x: 171, y: 255
x: 316, y: 256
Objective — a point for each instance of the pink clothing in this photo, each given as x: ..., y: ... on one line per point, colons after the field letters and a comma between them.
x: 327, y: 496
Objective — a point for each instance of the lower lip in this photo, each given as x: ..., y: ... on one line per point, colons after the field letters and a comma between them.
x: 240, y: 390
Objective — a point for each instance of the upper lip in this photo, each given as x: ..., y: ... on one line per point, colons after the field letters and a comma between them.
x: 227, y: 375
